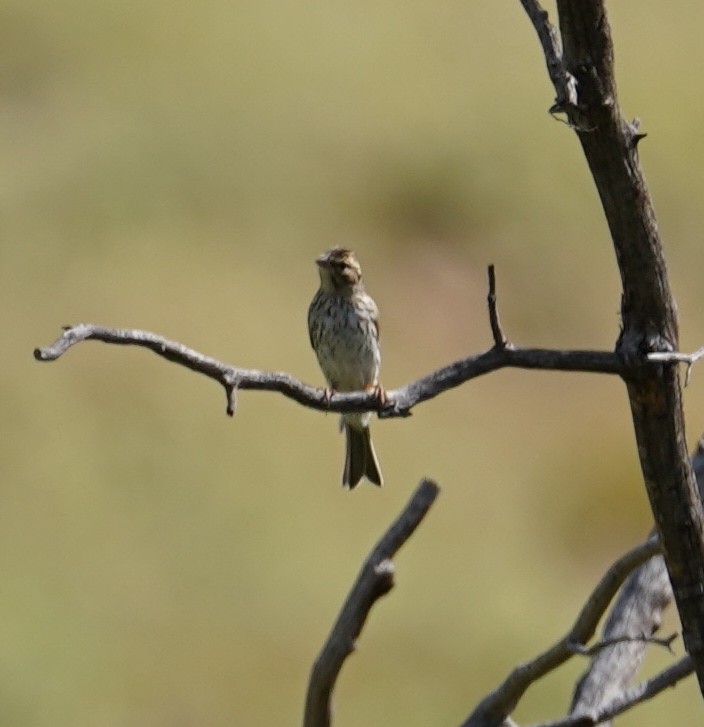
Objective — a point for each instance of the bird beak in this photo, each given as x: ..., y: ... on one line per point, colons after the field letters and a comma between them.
x: 322, y: 261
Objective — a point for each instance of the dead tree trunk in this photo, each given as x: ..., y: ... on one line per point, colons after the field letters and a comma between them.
x: 583, y: 74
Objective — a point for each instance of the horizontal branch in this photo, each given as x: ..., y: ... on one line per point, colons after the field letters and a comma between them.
x: 398, y: 403
x: 375, y: 579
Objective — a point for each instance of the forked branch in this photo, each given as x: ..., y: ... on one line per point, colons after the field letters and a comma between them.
x: 604, y: 691
x: 496, y: 707
x: 398, y: 403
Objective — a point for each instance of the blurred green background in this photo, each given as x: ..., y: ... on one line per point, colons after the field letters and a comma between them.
x: 177, y: 166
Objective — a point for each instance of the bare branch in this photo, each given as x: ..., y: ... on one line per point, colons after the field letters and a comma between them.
x: 374, y: 580
x: 231, y: 378
x: 498, y: 705
x: 611, y: 581
x: 638, y: 610
x: 397, y: 403
x: 633, y: 696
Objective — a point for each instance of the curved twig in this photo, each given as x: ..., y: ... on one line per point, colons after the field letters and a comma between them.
x: 374, y: 580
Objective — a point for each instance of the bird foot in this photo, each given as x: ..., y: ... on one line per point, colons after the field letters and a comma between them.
x: 380, y: 395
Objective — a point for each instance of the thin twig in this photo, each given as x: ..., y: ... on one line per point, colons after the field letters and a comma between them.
x: 686, y: 358
x: 375, y: 579
x: 499, y: 704
x: 584, y: 650
x: 500, y: 340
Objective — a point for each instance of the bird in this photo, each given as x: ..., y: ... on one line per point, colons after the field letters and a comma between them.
x: 343, y: 325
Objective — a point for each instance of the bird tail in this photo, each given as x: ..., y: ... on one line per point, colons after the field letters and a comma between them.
x: 360, y: 458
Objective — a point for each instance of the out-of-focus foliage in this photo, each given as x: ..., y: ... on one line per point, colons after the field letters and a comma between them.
x: 177, y: 166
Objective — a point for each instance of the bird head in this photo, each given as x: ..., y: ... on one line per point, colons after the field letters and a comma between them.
x: 339, y: 270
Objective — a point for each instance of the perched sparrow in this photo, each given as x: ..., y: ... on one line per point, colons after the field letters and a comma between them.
x: 343, y: 323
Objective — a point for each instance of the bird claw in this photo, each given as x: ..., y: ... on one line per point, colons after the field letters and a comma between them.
x: 328, y: 393
x: 380, y: 395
